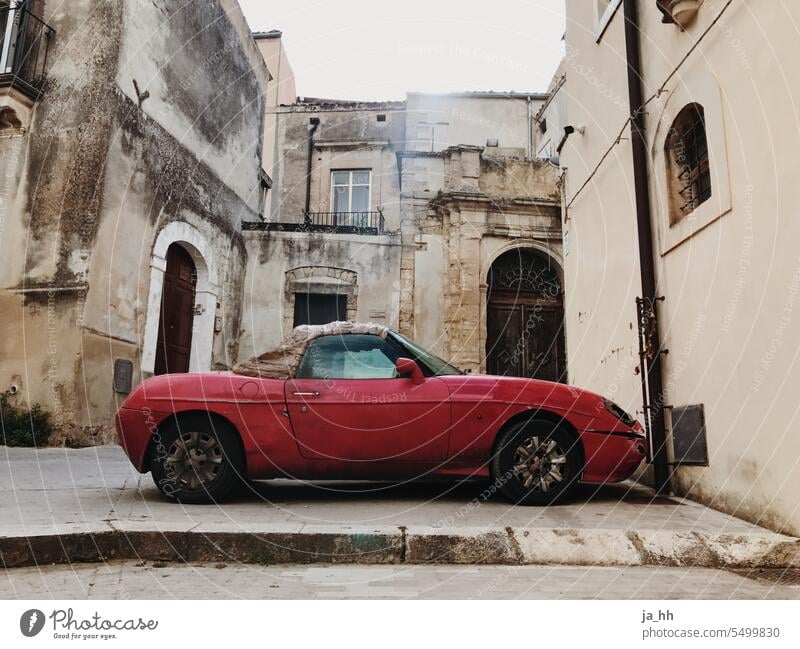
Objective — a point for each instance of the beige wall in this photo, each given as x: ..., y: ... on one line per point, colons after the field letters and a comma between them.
x: 460, y: 206
x: 729, y: 271
x: 349, y: 136
x: 105, y: 180
x: 484, y: 205
x: 365, y: 268
x: 281, y: 91
x: 470, y: 118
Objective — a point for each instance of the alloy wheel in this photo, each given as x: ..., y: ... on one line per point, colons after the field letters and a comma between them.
x: 538, y: 464
x: 194, y: 460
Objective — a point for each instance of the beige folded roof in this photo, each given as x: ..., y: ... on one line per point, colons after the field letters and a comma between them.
x: 282, y: 363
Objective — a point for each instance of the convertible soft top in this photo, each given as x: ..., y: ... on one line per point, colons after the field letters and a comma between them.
x: 282, y: 363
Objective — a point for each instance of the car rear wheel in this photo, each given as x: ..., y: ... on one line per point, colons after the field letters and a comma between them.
x: 197, y: 460
x: 536, y: 462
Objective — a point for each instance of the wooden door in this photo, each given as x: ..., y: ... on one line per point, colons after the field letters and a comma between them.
x: 524, y: 317
x: 525, y: 339
x: 177, y: 313
x: 505, y: 350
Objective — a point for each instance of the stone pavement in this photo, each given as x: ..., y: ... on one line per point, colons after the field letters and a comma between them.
x: 66, y: 506
x: 137, y: 580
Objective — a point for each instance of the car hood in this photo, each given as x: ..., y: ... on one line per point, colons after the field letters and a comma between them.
x: 560, y: 398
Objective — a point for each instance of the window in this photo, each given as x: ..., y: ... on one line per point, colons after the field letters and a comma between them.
x: 349, y: 356
x: 350, y: 190
x: 319, y: 308
x: 381, y: 118
x: 688, y: 171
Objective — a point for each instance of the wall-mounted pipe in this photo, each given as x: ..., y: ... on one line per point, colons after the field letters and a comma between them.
x: 530, y: 127
x: 313, y: 126
x: 655, y: 388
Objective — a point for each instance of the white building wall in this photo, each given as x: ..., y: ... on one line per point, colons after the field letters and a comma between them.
x: 729, y: 271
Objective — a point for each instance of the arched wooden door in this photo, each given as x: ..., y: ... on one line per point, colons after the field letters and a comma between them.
x: 177, y: 313
x: 525, y: 317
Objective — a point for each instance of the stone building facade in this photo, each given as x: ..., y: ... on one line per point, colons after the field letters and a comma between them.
x: 129, y: 159
x: 398, y: 217
x: 168, y: 206
x: 720, y: 152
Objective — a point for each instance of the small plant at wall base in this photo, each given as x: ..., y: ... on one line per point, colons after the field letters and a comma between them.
x: 23, y: 427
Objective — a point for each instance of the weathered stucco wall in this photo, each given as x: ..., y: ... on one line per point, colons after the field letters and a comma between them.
x: 462, y: 208
x: 470, y: 118
x: 348, y: 137
x: 728, y: 271
x: 105, y: 170
x: 280, y: 91
x: 371, y: 265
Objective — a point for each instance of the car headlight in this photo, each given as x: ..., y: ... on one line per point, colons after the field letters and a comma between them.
x: 619, y: 413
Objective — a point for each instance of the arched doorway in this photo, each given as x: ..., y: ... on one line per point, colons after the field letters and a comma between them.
x: 174, y: 344
x: 525, y: 317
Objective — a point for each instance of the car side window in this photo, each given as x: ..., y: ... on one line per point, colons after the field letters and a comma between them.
x: 349, y: 356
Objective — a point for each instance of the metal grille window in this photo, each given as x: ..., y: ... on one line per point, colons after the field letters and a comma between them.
x: 350, y: 190
x: 688, y: 162
x: 24, y: 41
x: 319, y: 308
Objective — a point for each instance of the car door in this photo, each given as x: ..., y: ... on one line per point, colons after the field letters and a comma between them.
x: 347, y: 403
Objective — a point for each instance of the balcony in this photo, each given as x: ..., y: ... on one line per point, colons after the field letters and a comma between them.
x: 332, y: 222
x: 24, y: 44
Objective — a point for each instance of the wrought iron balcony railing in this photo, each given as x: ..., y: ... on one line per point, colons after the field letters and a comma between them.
x: 24, y: 44
x: 335, y: 222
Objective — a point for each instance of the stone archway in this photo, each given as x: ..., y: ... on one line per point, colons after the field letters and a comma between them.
x: 525, y: 316
x: 207, y: 288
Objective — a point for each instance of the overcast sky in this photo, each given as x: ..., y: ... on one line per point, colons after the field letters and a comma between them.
x: 376, y: 49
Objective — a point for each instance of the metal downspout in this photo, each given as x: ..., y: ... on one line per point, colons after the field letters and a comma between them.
x: 655, y: 389
x: 314, y: 124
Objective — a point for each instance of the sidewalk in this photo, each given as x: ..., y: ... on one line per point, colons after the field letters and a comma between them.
x: 59, y: 506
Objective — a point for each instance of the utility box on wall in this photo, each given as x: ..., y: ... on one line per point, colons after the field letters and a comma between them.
x: 689, y: 435
x: 123, y: 376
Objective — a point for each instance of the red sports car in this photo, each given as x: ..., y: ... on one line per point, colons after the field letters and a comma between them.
x: 359, y: 401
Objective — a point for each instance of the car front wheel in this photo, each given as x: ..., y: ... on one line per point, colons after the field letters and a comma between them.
x: 536, y: 462
x: 197, y: 460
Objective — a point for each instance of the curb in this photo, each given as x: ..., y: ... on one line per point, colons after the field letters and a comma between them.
x: 509, y: 546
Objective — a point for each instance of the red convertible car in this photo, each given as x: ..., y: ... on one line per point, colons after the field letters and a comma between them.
x: 359, y: 401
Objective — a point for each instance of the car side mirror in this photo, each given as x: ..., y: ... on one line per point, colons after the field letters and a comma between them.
x: 409, y: 368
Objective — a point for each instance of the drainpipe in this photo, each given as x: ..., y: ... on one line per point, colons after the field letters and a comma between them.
x: 530, y: 128
x: 655, y: 387
x: 314, y: 125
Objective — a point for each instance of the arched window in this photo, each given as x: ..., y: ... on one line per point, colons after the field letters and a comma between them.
x: 688, y: 172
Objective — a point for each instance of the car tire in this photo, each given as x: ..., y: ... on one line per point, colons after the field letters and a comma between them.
x: 536, y: 462
x: 197, y: 460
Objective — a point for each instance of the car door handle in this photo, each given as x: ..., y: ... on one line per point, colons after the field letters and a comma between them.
x: 306, y: 394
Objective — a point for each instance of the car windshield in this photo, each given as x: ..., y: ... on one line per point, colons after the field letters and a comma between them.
x: 435, y: 365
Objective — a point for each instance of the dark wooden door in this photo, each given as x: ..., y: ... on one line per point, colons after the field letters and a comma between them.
x: 525, y: 339
x: 177, y: 313
x: 524, y: 317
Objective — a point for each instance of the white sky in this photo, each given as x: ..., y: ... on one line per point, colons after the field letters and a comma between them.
x: 378, y: 50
